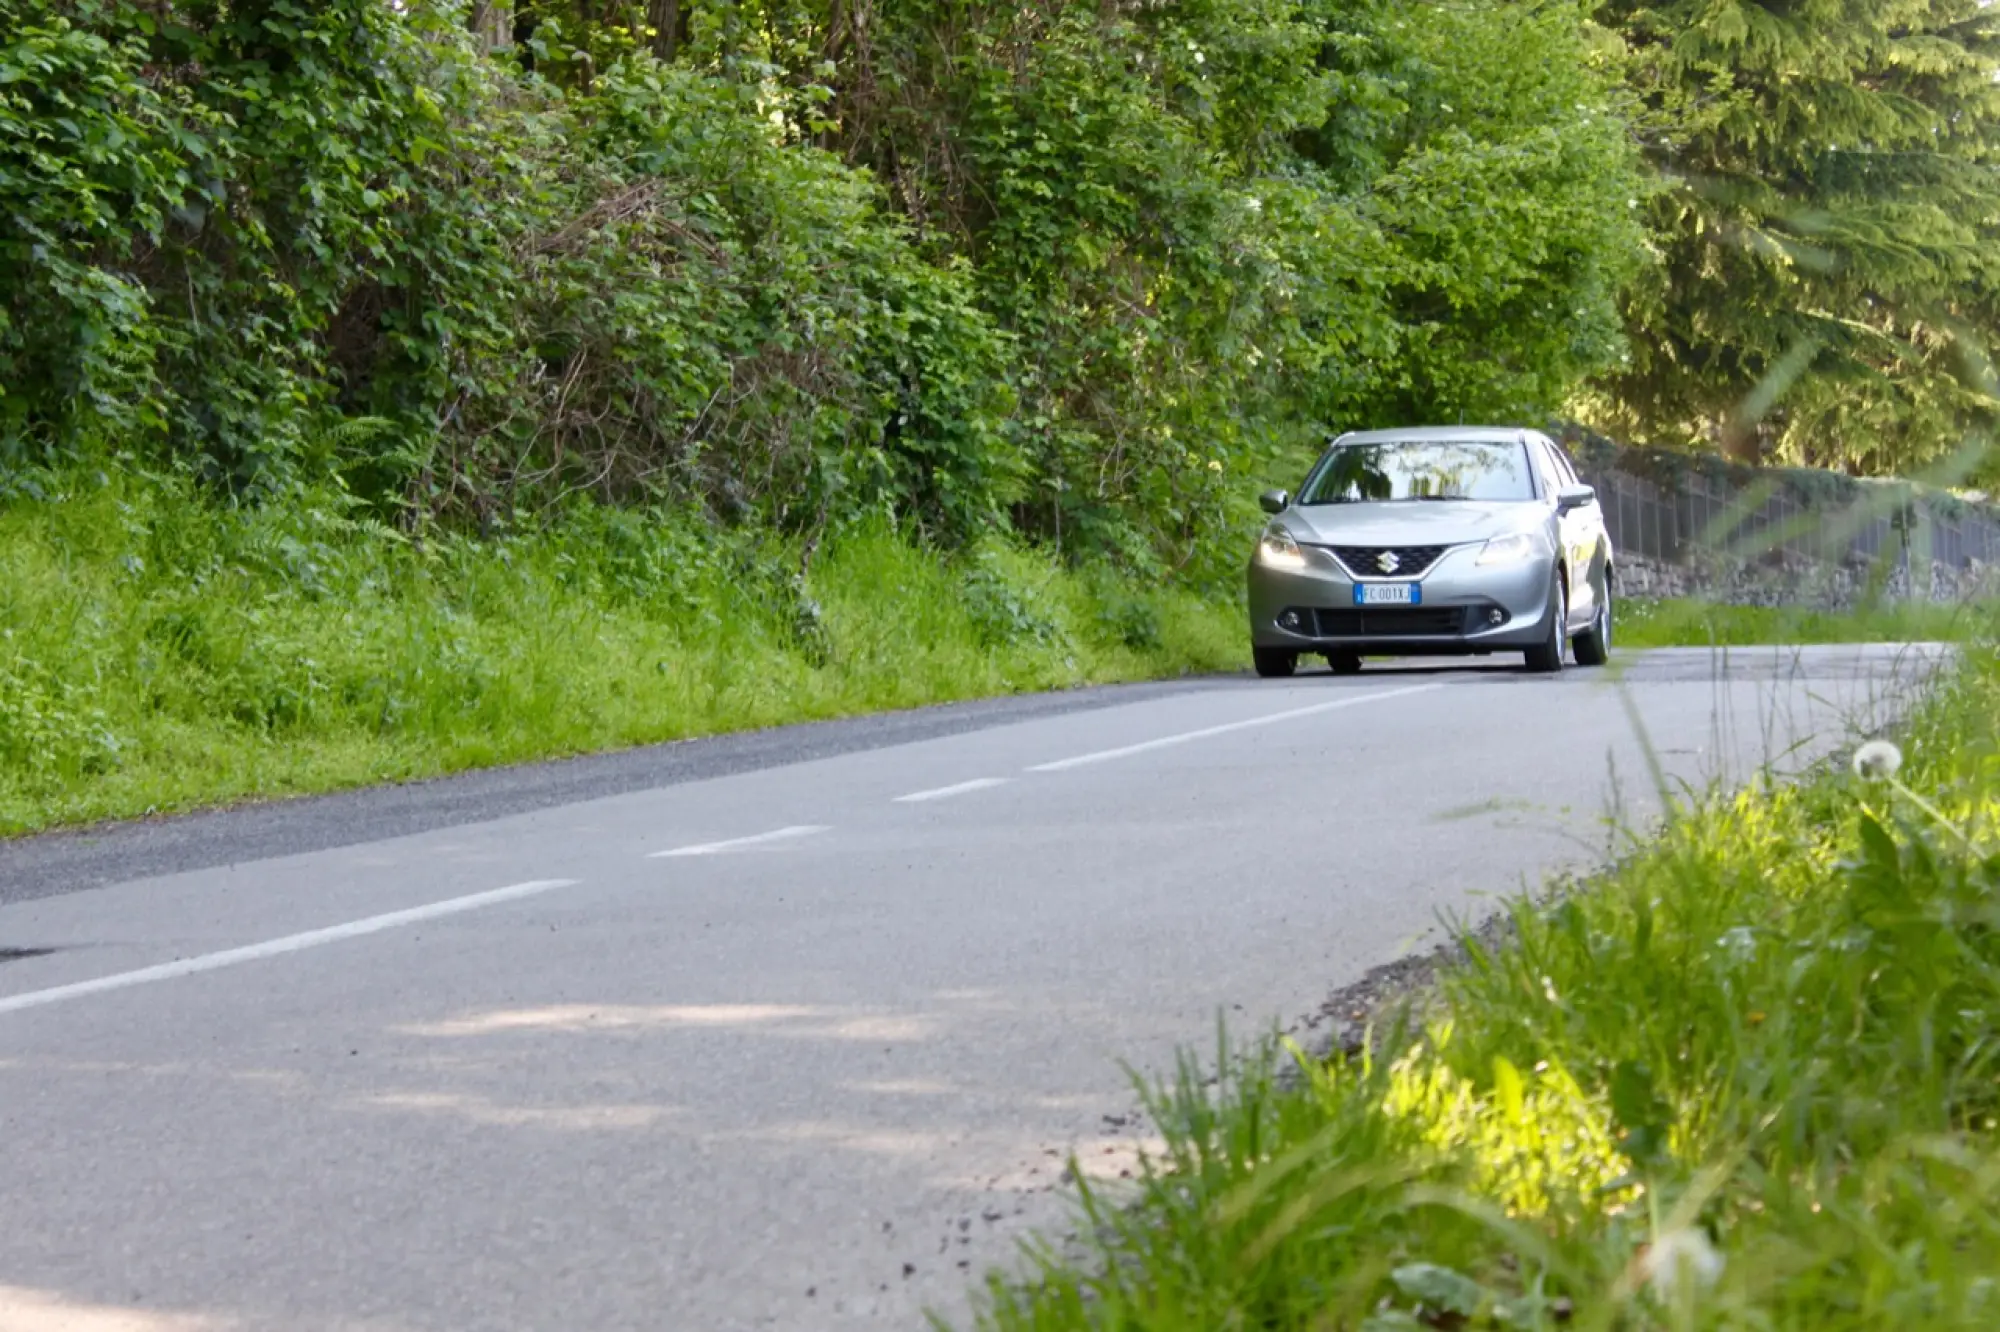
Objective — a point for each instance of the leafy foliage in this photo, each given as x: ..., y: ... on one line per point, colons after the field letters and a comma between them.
x: 1088, y: 268
x: 228, y: 224
x: 1826, y: 287
x: 1219, y: 229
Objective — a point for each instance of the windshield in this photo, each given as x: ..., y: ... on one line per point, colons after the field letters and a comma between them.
x: 1422, y: 469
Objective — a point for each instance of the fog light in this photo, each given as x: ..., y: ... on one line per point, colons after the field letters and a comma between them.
x: 1496, y: 616
x: 1290, y: 620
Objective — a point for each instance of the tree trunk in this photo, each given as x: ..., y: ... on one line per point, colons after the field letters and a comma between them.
x: 493, y: 23
x: 665, y: 18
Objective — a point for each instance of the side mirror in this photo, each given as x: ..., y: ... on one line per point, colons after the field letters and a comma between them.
x: 1274, y: 501
x: 1571, y: 498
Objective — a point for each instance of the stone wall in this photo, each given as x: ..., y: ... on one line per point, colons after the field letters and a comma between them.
x: 1785, y: 580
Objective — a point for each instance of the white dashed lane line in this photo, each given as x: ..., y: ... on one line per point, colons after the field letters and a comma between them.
x: 947, y: 792
x: 1270, y: 719
x: 293, y: 943
x: 290, y: 943
x: 737, y: 843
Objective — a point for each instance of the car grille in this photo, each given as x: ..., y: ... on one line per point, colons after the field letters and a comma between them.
x: 1391, y: 622
x: 1366, y: 561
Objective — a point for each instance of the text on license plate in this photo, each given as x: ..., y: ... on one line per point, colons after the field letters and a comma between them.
x: 1388, y: 594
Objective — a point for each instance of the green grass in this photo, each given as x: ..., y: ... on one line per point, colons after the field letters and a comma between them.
x: 159, y: 653
x: 1772, y: 1035
x: 1689, y: 623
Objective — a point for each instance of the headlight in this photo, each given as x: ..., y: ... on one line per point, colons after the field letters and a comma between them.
x: 1277, y: 550
x: 1515, y: 549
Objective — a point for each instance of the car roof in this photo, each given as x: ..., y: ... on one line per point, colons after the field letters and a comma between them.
x: 1438, y: 434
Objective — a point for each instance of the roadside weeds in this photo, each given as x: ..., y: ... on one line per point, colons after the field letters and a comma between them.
x: 161, y: 654
x: 1748, y: 1077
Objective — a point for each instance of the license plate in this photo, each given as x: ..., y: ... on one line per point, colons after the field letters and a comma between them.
x: 1388, y: 594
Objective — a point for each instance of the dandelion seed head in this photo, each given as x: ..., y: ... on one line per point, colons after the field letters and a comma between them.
x: 1678, y: 1254
x: 1876, y: 759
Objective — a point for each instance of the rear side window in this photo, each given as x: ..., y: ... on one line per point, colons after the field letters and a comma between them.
x: 1564, y: 467
x: 1555, y: 468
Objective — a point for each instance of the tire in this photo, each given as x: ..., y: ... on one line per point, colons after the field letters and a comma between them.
x: 1593, y: 645
x: 1344, y: 663
x: 1274, y: 663
x: 1546, y: 657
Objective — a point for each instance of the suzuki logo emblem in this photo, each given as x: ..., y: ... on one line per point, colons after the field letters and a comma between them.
x: 1387, y: 559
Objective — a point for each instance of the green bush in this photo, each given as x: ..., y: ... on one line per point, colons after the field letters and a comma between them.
x: 1093, y: 277
x: 226, y: 228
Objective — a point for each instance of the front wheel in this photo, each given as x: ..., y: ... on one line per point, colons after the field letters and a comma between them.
x: 1593, y: 645
x: 1274, y: 663
x: 1546, y: 657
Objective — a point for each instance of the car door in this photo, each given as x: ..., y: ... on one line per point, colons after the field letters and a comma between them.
x: 1582, y: 533
x: 1573, y: 531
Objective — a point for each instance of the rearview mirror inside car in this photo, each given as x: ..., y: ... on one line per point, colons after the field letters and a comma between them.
x: 1274, y: 501
x: 1574, y: 497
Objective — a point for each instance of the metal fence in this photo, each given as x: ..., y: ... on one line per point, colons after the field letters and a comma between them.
x: 1701, y: 517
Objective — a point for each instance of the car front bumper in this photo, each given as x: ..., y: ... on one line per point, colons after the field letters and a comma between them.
x: 1463, y: 607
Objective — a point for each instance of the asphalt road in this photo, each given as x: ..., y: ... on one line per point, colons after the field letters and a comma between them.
x: 788, y: 1031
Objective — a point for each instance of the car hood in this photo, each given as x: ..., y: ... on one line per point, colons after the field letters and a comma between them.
x: 1406, y: 523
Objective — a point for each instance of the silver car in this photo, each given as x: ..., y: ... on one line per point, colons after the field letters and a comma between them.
x: 1443, y: 540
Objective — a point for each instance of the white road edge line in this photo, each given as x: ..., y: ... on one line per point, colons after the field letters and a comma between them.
x: 716, y: 848
x: 946, y: 792
x: 291, y: 943
x: 1271, y: 719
